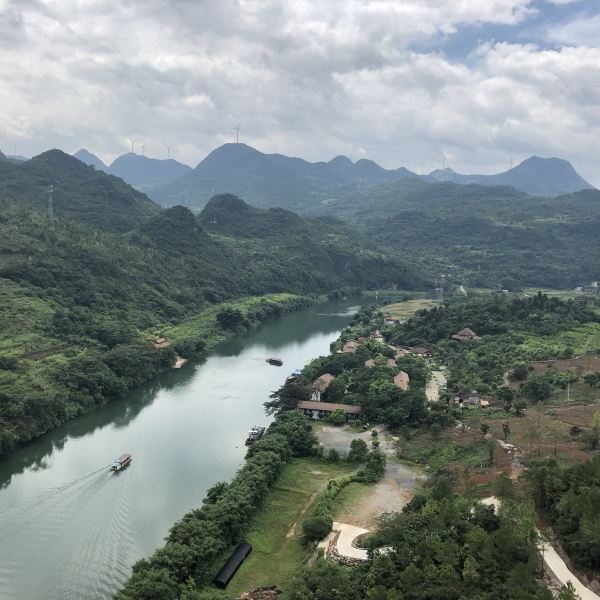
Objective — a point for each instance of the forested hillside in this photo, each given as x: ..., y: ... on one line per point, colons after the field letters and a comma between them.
x: 80, y: 192
x: 78, y: 305
x: 486, y: 236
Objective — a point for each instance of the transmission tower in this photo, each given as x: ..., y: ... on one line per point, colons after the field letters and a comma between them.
x: 50, y: 203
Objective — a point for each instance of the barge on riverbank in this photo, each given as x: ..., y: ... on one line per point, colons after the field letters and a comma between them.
x: 230, y: 568
x: 255, y: 434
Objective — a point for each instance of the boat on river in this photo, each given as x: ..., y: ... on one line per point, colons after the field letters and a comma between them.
x: 275, y: 361
x: 255, y: 434
x: 120, y: 463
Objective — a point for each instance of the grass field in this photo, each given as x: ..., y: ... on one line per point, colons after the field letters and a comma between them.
x: 562, y: 294
x: 583, y: 339
x: 277, y: 549
x: 405, y: 310
x: 205, y: 322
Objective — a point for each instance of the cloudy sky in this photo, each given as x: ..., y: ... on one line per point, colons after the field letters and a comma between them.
x: 404, y: 82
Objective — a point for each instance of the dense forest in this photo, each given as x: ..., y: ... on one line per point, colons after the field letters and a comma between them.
x: 569, y: 497
x: 442, y: 546
x: 483, y: 236
x: 80, y: 192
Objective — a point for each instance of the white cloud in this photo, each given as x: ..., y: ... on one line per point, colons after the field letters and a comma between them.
x: 306, y: 78
x: 581, y: 31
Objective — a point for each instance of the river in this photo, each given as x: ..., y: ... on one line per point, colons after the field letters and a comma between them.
x: 71, y: 529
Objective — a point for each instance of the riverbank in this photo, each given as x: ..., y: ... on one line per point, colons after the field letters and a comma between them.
x: 43, y: 390
x: 185, y: 430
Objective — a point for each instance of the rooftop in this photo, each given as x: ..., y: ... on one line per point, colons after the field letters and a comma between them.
x: 347, y: 408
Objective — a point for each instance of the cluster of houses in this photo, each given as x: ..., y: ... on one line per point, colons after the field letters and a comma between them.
x: 315, y: 409
x: 591, y: 288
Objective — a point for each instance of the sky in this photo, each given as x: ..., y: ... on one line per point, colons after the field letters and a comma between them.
x: 472, y: 84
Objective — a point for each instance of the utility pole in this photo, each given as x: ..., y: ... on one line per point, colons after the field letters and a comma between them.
x: 50, y: 203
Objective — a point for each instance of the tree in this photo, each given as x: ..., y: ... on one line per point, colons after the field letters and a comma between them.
x: 435, y: 430
x: 484, y: 428
x: 358, y: 451
x: 556, y: 431
x: 504, y: 488
x: 506, y: 395
x: 593, y: 439
x: 520, y: 407
x: 337, y: 417
x: 520, y: 372
x: 231, y: 318
x: 568, y: 592
x: 316, y: 528
x: 537, y: 387
x: 334, y: 455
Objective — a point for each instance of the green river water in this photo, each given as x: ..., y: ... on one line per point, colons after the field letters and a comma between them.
x: 71, y: 529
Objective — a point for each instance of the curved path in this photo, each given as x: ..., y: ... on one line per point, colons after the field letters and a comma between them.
x: 555, y: 563
x: 344, y: 543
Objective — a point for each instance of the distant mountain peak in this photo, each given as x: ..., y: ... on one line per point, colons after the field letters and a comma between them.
x: 87, y: 157
x: 144, y: 173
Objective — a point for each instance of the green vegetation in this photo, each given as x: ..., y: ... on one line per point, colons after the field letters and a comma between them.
x: 483, y: 236
x: 570, y: 499
x: 80, y: 192
x: 507, y: 326
x: 198, y: 543
x: 442, y: 546
x: 275, y: 530
x: 81, y: 306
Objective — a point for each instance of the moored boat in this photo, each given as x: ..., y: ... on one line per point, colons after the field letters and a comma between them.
x: 275, y: 361
x: 255, y: 434
x: 120, y: 463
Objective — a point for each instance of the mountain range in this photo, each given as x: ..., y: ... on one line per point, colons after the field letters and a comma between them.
x: 141, y: 172
x: 268, y: 180
x: 275, y: 180
x: 535, y: 176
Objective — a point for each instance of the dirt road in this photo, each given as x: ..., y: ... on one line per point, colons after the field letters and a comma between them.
x: 434, y: 384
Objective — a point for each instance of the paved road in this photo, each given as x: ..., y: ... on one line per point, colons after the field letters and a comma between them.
x: 347, y: 535
x: 555, y: 563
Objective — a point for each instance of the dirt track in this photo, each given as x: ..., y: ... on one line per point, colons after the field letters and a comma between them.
x: 391, y: 494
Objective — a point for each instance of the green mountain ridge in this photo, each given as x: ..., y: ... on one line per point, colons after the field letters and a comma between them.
x: 268, y: 180
x: 80, y: 192
x: 483, y: 236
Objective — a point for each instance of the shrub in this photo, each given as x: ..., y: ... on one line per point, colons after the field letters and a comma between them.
x: 316, y: 528
x: 337, y: 417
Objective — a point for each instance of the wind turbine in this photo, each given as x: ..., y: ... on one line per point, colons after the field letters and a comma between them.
x: 237, y: 133
x: 143, y: 149
x: 168, y: 151
x: 132, y: 143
